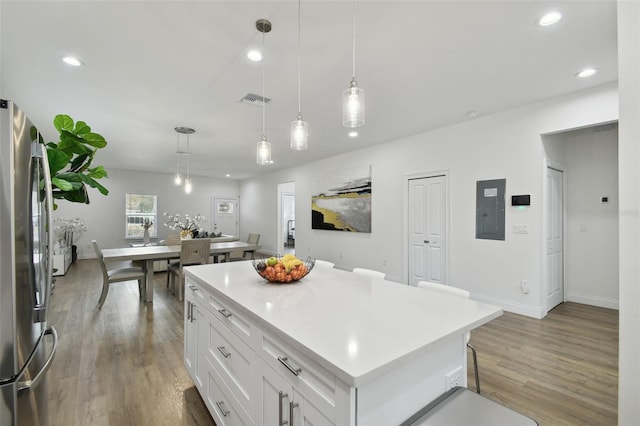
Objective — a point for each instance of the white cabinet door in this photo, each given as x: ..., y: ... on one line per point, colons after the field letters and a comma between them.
x: 283, y: 404
x: 192, y: 319
x: 277, y: 394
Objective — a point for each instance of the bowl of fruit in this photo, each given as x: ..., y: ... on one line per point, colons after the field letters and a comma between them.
x: 285, y: 269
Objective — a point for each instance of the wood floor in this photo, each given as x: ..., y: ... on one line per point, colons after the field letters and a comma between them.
x: 123, y: 365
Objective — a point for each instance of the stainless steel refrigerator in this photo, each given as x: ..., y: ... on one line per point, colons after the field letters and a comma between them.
x: 27, y: 342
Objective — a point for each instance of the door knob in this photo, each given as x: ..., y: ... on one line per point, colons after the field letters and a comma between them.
x: 426, y: 241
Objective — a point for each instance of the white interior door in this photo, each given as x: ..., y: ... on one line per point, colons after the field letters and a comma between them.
x: 554, y: 288
x: 225, y: 216
x: 427, y: 228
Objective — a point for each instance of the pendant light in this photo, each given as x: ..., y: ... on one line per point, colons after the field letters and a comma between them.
x: 188, y: 187
x: 353, y: 96
x: 263, y: 149
x: 299, y: 127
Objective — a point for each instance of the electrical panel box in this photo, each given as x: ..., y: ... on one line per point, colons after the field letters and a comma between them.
x: 490, y: 209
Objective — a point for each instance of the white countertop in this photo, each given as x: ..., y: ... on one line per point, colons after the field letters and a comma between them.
x: 356, y: 326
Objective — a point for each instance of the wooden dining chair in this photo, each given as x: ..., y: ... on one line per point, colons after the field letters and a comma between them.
x: 253, y: 239
x: 192, y: 252
x: 460, y: 293
x: 172, y: 240
x: 109, y: 276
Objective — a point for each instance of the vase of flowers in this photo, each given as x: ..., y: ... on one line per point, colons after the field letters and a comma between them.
x: 65, y: 230
x: 146, y: 225
x: 189, y: 226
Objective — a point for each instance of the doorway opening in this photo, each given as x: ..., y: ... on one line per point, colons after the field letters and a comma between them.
x: 587, y: 160
x: 287, y: 218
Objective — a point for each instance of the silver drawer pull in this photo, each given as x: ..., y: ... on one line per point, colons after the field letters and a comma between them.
x: 223, y: 351
x: 283, y: 360
x: 224, y: 412
x: 292, y: 405
x: 224, y: 313
x: 281, y: 422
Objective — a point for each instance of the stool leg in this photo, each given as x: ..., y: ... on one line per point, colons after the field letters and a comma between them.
x: 475, y: 366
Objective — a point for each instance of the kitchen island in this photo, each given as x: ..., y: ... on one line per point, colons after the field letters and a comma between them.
x: 334, y: 348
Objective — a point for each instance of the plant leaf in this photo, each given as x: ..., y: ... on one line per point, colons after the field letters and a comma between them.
x: 63, y: 122
x: 78, y: 196
x: 94, y: 139
x: 62, y: 184
x: 77, y: 162
x: 71, y: 145
x: 94, y: 184
x: 97, y: 172
x: 57, y: 160
x: 82, y: 128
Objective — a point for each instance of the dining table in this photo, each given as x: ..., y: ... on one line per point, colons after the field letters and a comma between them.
x: 149, y: 254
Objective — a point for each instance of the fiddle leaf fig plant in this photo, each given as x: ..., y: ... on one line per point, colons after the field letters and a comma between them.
x: 70, y: 161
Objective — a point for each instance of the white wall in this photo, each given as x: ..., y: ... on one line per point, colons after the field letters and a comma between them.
x: 505, y: 145
x: 591, y: 259
x: 629, y: 181
x: 104, y: 215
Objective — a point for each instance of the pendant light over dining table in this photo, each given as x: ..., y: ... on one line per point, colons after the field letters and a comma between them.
x: 353, y: 96
x: 299, y: 127
x: 188, y: 187
x: 263, y: 149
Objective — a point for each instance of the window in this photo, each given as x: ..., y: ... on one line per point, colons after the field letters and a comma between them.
x: 141, y: 209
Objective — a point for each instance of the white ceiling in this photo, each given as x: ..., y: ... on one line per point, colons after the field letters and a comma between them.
x: 151, y: 66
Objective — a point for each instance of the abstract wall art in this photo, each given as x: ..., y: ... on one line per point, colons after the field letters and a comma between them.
x: 343, y: 201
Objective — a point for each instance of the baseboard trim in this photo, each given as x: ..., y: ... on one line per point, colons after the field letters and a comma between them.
x: 516, y: 308
x: 588, y: 299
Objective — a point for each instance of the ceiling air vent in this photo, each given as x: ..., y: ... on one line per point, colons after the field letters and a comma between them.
x: 253, y: 99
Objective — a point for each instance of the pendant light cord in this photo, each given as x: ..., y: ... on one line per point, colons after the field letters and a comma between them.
x: 188, y: 157
x: 354, y: 39
x: 264, y: 103
x: 178, y: 153
x: 299, y: 103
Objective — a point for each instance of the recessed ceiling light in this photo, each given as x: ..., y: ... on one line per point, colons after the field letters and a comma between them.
x: 587, y: 72
x: 471, y: 114
x: 70, y: 60
x: 549, y: 19
x: 353, y: 134
x: 254, y: 55
x: 227, y: 175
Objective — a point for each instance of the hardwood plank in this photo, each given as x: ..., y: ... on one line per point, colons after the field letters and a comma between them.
x: 123, y: 365
x: 561, y: 370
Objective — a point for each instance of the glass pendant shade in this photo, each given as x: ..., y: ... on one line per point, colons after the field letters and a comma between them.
x: 263, y: 152
x: 299, y: 134
x: 353, y: 106
x: 188, y: 188
x: 178, y: 179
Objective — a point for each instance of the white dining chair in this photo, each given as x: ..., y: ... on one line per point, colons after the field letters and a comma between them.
x: 110, y: 276
x: 460, y: 293
x: 369, y: 272
x: 324, y: 264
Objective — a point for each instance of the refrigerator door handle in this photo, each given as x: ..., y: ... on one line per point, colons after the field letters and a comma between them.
x: 27, y: 385
x: 39, y: 152
x: 49, y: 195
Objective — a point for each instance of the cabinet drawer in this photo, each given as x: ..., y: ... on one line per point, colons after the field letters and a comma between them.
x: 308, y: 378
x: 235, y: 362
x: 197, y: 294
x: 237, y: 321
x: 223, y: 409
